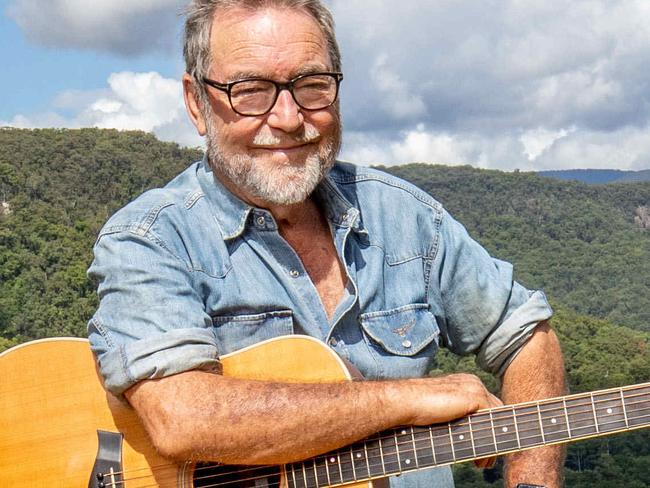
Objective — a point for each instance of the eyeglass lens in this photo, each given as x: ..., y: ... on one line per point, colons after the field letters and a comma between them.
x: 255, y: 97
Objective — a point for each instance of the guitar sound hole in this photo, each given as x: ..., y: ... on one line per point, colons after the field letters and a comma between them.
x: 219, y: 476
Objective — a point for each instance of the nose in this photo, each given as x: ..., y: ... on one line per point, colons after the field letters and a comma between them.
x: 285, y: 114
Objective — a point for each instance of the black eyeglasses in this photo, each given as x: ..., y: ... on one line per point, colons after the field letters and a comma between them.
x: 257, y: 96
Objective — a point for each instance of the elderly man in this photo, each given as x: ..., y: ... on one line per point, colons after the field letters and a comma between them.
x: 269, y: 236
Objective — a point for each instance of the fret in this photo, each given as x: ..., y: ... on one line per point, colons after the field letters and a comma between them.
x: 422, y: 447
x: 528, y: 426
x: 294, y: 477
x: 433, y: 447
x: 581, y: 417
x: 317, y: 483
x: 354, y: 469
x: 309, y: 481
x: 375, y: 457
x: 451, y: 441
x: 541, y: 425
x: 291, y: 483
x: 389, y: 450
x: 483, y: 435
x: 322, y: 473
x: 627, y: 424
x: 637, y: 403
x: 365, y: 448
x: 514, y: 422
x: 399, y: 458
x: 566, y: 418
x: 504, y: 430
x: 462, y: 443
x: 442, y: 442
x: 471, y: 435
x: 415, y: 449
x: 332, y: 471
x: 554, y: 424
x: 346, y: 468
x: 610, y: 415
x: 406, y: 453
x: 494, y: 437
x: 360, y: 462
x: 593, y: 409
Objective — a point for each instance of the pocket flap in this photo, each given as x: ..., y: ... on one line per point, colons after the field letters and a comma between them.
x: 403, y: 331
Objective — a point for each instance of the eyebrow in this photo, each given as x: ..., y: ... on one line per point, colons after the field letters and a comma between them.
x: 303, y: 70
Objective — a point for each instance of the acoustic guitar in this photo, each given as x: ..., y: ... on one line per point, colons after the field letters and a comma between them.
x: 59, y: 428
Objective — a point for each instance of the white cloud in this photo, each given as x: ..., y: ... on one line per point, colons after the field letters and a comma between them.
x: 124, y: 27
x: 501, y: 83
x: 627, y: 148
x: 132, y: 101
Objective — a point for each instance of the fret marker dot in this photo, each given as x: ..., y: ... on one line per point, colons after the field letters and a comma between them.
x: 609, y: 410
x: 554, y: 421
x: 358, y: 455
x: 505, y: 429
x: 332, y: 460
x: 461, y: 437
x: 408, y: 461
x: 403, y: 432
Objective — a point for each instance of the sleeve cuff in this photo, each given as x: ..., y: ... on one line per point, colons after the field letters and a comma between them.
x: 503, y: 344
x: 173, y: 352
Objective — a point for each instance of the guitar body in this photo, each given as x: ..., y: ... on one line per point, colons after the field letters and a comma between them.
x: 52, y: 405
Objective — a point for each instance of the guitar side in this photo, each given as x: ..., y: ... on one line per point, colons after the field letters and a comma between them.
x: 52, y: 404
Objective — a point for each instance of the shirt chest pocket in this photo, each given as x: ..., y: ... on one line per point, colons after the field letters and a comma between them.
x: 403, y: 341
x: 234, y: 332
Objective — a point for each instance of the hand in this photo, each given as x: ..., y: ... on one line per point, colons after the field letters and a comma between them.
x: 445, y: 398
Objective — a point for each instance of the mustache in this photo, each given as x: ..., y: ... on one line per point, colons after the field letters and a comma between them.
x: 264, y: 139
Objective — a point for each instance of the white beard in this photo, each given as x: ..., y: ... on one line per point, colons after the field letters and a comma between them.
x: 281, y: 184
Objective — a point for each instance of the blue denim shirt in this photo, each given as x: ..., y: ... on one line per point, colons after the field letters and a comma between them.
x: 189, y: 272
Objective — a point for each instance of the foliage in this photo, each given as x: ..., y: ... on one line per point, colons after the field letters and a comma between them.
x: 579, y: 243
x: 57, y: 188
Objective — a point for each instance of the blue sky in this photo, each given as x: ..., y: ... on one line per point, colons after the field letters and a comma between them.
x: 505, y: 84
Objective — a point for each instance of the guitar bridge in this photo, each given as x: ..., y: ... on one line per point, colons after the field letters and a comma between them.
x: 107, y: 471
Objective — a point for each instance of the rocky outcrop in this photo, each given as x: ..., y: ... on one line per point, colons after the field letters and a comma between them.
x: 642, y: 218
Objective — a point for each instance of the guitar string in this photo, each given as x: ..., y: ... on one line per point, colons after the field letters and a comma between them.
x: 249, y: 470
x: 304, y: 480
x: 445, y: 434
x: 348, y: 451
x: 307, y: 482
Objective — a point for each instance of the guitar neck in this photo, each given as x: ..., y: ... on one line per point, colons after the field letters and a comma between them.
x: 483, y: 434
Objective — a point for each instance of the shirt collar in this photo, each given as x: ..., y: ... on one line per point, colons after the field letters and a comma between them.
x: 233, y: 214
x: 230, y: 211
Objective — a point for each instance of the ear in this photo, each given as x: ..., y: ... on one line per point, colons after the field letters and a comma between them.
x: 192, y: 104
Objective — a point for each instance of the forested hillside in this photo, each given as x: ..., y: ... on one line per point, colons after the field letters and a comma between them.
x: 588, y: 247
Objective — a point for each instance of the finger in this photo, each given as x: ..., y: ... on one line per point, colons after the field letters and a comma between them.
x: 485, y: 462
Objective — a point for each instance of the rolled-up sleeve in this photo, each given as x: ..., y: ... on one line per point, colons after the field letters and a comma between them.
x: 151, y: 322
x: 484, y: 311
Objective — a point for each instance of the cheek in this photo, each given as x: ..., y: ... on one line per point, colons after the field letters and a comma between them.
x: 238, y: 133
x: 325, y: 121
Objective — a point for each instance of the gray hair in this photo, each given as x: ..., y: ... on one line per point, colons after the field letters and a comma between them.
x: 198, y: 25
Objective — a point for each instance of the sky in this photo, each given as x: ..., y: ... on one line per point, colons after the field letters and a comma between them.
x: 500, y: 84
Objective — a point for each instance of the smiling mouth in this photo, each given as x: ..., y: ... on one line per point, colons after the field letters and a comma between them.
x: 281, y: 148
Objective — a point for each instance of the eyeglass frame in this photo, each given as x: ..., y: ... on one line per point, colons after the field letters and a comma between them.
x: 227, y: 88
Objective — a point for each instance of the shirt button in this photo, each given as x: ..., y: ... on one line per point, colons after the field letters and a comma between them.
x: 260, y: 221
x: 407, y: 344
x: 294, y: 273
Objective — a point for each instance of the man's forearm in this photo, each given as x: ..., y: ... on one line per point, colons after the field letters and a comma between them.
x: 537, y: 372
x: 215, y: 418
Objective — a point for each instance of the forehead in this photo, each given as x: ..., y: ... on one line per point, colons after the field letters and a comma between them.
x: 271, y: 42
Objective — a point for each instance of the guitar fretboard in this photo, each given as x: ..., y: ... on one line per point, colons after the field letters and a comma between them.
x: 483, y: 434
